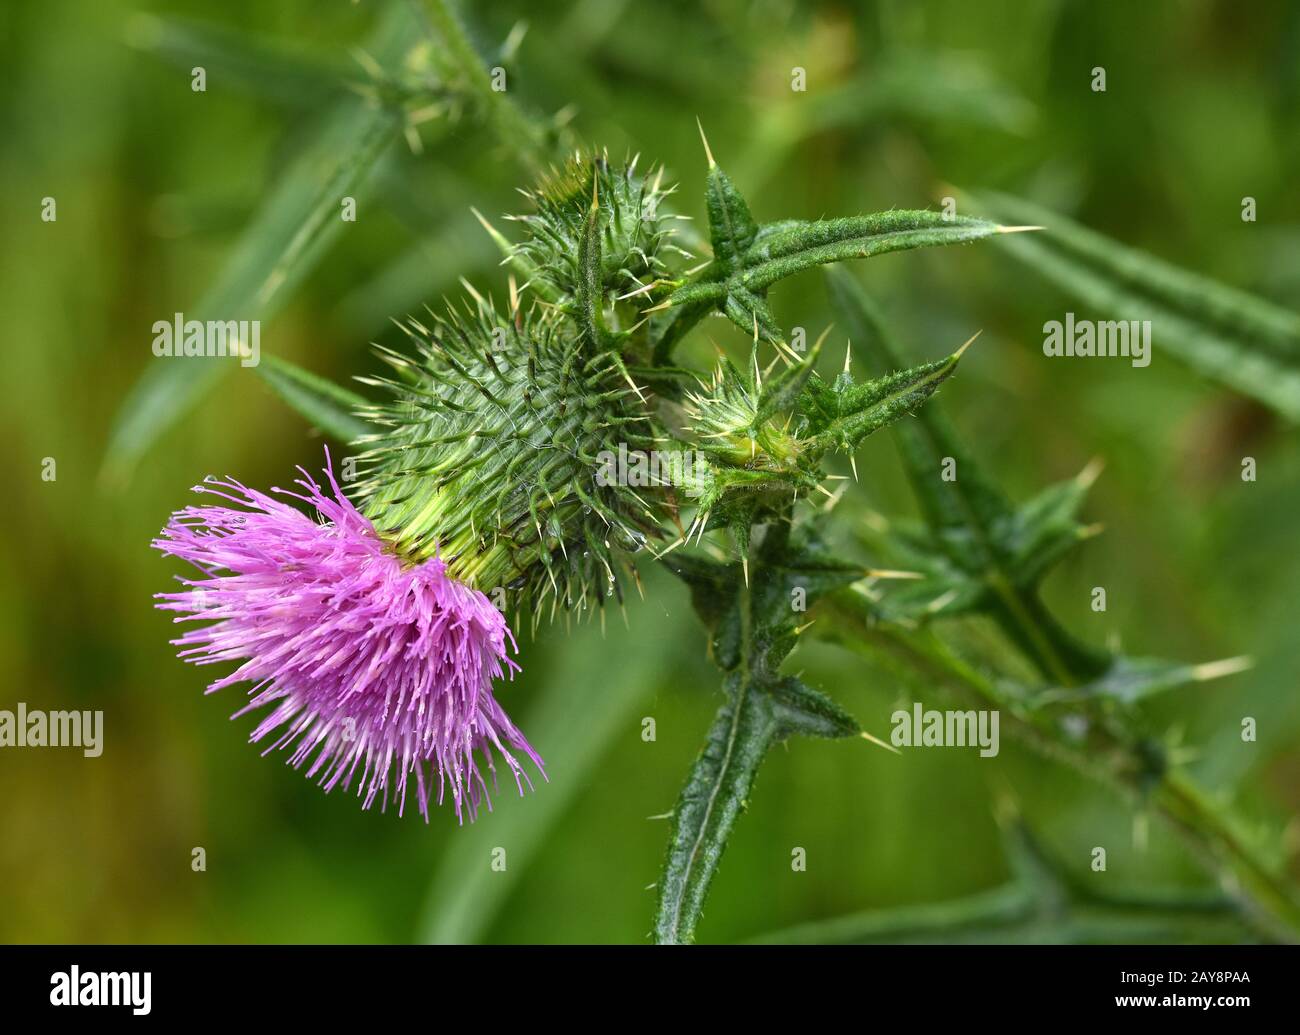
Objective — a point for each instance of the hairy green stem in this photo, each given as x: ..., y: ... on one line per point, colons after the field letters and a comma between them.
x: 514, y: 128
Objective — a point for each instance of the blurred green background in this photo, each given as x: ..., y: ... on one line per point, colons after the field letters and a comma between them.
x: 160, y: 190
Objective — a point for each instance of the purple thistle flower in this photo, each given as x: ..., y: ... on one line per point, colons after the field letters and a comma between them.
x: 369, y: 663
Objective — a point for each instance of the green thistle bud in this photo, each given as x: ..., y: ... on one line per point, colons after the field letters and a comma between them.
x: 767, y: 433
x: 492, y: 453
x: 632, y: 231
x: 745, y: 424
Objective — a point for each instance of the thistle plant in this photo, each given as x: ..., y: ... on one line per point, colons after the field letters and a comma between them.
x: 376, y: 634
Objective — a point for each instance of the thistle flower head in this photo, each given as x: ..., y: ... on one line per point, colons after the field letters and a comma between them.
x: 374, y: 669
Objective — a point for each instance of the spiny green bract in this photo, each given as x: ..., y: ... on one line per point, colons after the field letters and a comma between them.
x: 751, y: 453
x: 491, y: 452
x: 633, y: 228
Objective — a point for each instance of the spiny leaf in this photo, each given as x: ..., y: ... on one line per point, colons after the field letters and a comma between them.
x: 1235, y: 338
x: 801, y: 245
x: 808, y: 712
x: 1046, y: 527
x: 787, y: 565
x: 715, y: 596
x: 716, y: 792
x: 972, y: 524
x: 789, y: 560
x: 981, y: 553
x: 748, y: 258
x: 750, y: 310
x: 1131, y: 680
x: 753, y: 623
x: 942, y: 588
x: 845, y: 413
x: 668, y: 328
x: 731, y: 226
x: 329, y: 407
x: 717, y: 789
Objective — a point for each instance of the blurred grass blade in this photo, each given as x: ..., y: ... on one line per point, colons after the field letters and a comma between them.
x: 913, y: 87
x: 284, y: 73
x: 285, y: 240
x: 466, y: 894
x: 1228, y: 335
x: 329, y: 407
x: 426, y: 270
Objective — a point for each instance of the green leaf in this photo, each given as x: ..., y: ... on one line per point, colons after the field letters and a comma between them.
x: 753, y: 718
x: 291, y: 231
x: 790, y: 560
x: 1000, y: 550
x: 782, y: 390
x: 731, y: 227
x: 801, y: 245
x: 715, y: 794
x: 943, y: 588
x: 668, y: 328
x: 808, y: 712
x: 1107, y: 745
x: 1130, y: 680
x: 841, y: 415
x: 789, y: 565
x: 1228, y: 335
x: 749, y: 259
x: 740, y: 293
x: 750, y: 311
x: 753, y: 629
x: 327, y: 406
x: 715, y: 596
